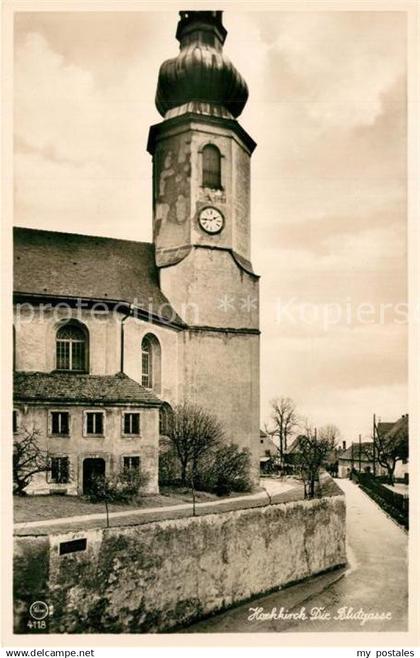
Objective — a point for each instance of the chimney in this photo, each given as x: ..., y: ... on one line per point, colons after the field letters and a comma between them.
x: 344, y: 445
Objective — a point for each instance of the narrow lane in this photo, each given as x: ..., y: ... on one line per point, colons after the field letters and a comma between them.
x: 375, y: 583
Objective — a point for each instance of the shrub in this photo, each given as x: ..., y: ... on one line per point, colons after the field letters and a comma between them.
x: 193, y: 434
x: 226, y: 470
x: 169, y: 468
x: 118, y: 488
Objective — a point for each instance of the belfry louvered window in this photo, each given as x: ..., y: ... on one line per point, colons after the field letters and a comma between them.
x: 72, y: 348
x: 212, y: 174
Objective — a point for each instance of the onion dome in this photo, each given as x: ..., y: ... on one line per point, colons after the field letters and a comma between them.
x: 201, y: 78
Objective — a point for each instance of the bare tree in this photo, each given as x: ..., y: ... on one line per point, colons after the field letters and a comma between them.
x: 122, y: 487
x: 312, y: 452
x: 285, y: 420
x: 331, y: 433
x: 390, y: 447
x: 28, y: 459
x: 193, y: 433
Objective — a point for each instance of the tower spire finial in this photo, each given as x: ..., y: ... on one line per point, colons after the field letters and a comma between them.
x: 201, y: 78
x: 206, y: 22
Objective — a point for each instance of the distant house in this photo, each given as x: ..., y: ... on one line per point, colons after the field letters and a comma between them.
x: 292, y: 453
x: 385, y: 431
x: 268, y: 452
x: 358, y: 454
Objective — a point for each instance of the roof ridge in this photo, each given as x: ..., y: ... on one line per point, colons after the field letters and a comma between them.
x: 80, y: 235
x: 68, y: 386
x: 72, y: 265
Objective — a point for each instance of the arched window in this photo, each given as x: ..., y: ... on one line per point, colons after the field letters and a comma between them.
x: 165, y: 417
x: 150, y: 362
x: 72, y: 349
x: 212, y: 174
x: 146, y: 363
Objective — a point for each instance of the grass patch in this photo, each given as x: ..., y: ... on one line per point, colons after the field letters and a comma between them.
x: 184, y: 494
x: 39, y: 508
x: 42, y: 508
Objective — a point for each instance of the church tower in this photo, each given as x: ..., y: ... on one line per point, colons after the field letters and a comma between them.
x: 201, y: 224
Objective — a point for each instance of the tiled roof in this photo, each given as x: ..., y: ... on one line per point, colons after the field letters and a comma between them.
x: 399, y: 428
x: 71, y: 387
x: 89, y: 267
x: 383, y: 428
x: 294, y: 446
x: 366, y: 448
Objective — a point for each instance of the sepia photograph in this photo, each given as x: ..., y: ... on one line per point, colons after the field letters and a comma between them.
x: 210, y: 423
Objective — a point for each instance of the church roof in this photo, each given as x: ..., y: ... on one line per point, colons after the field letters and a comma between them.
x: 49, y: 263
x: 70, y: 387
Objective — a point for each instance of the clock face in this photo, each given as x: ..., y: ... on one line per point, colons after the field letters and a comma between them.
x: 211, y: 220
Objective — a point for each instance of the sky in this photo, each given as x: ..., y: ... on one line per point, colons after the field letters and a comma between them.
x: 327, y: 108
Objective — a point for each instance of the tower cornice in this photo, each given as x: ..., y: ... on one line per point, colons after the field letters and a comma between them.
x: 185, y: 121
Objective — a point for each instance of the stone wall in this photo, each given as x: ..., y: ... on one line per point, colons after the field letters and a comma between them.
x: 158, y: 576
